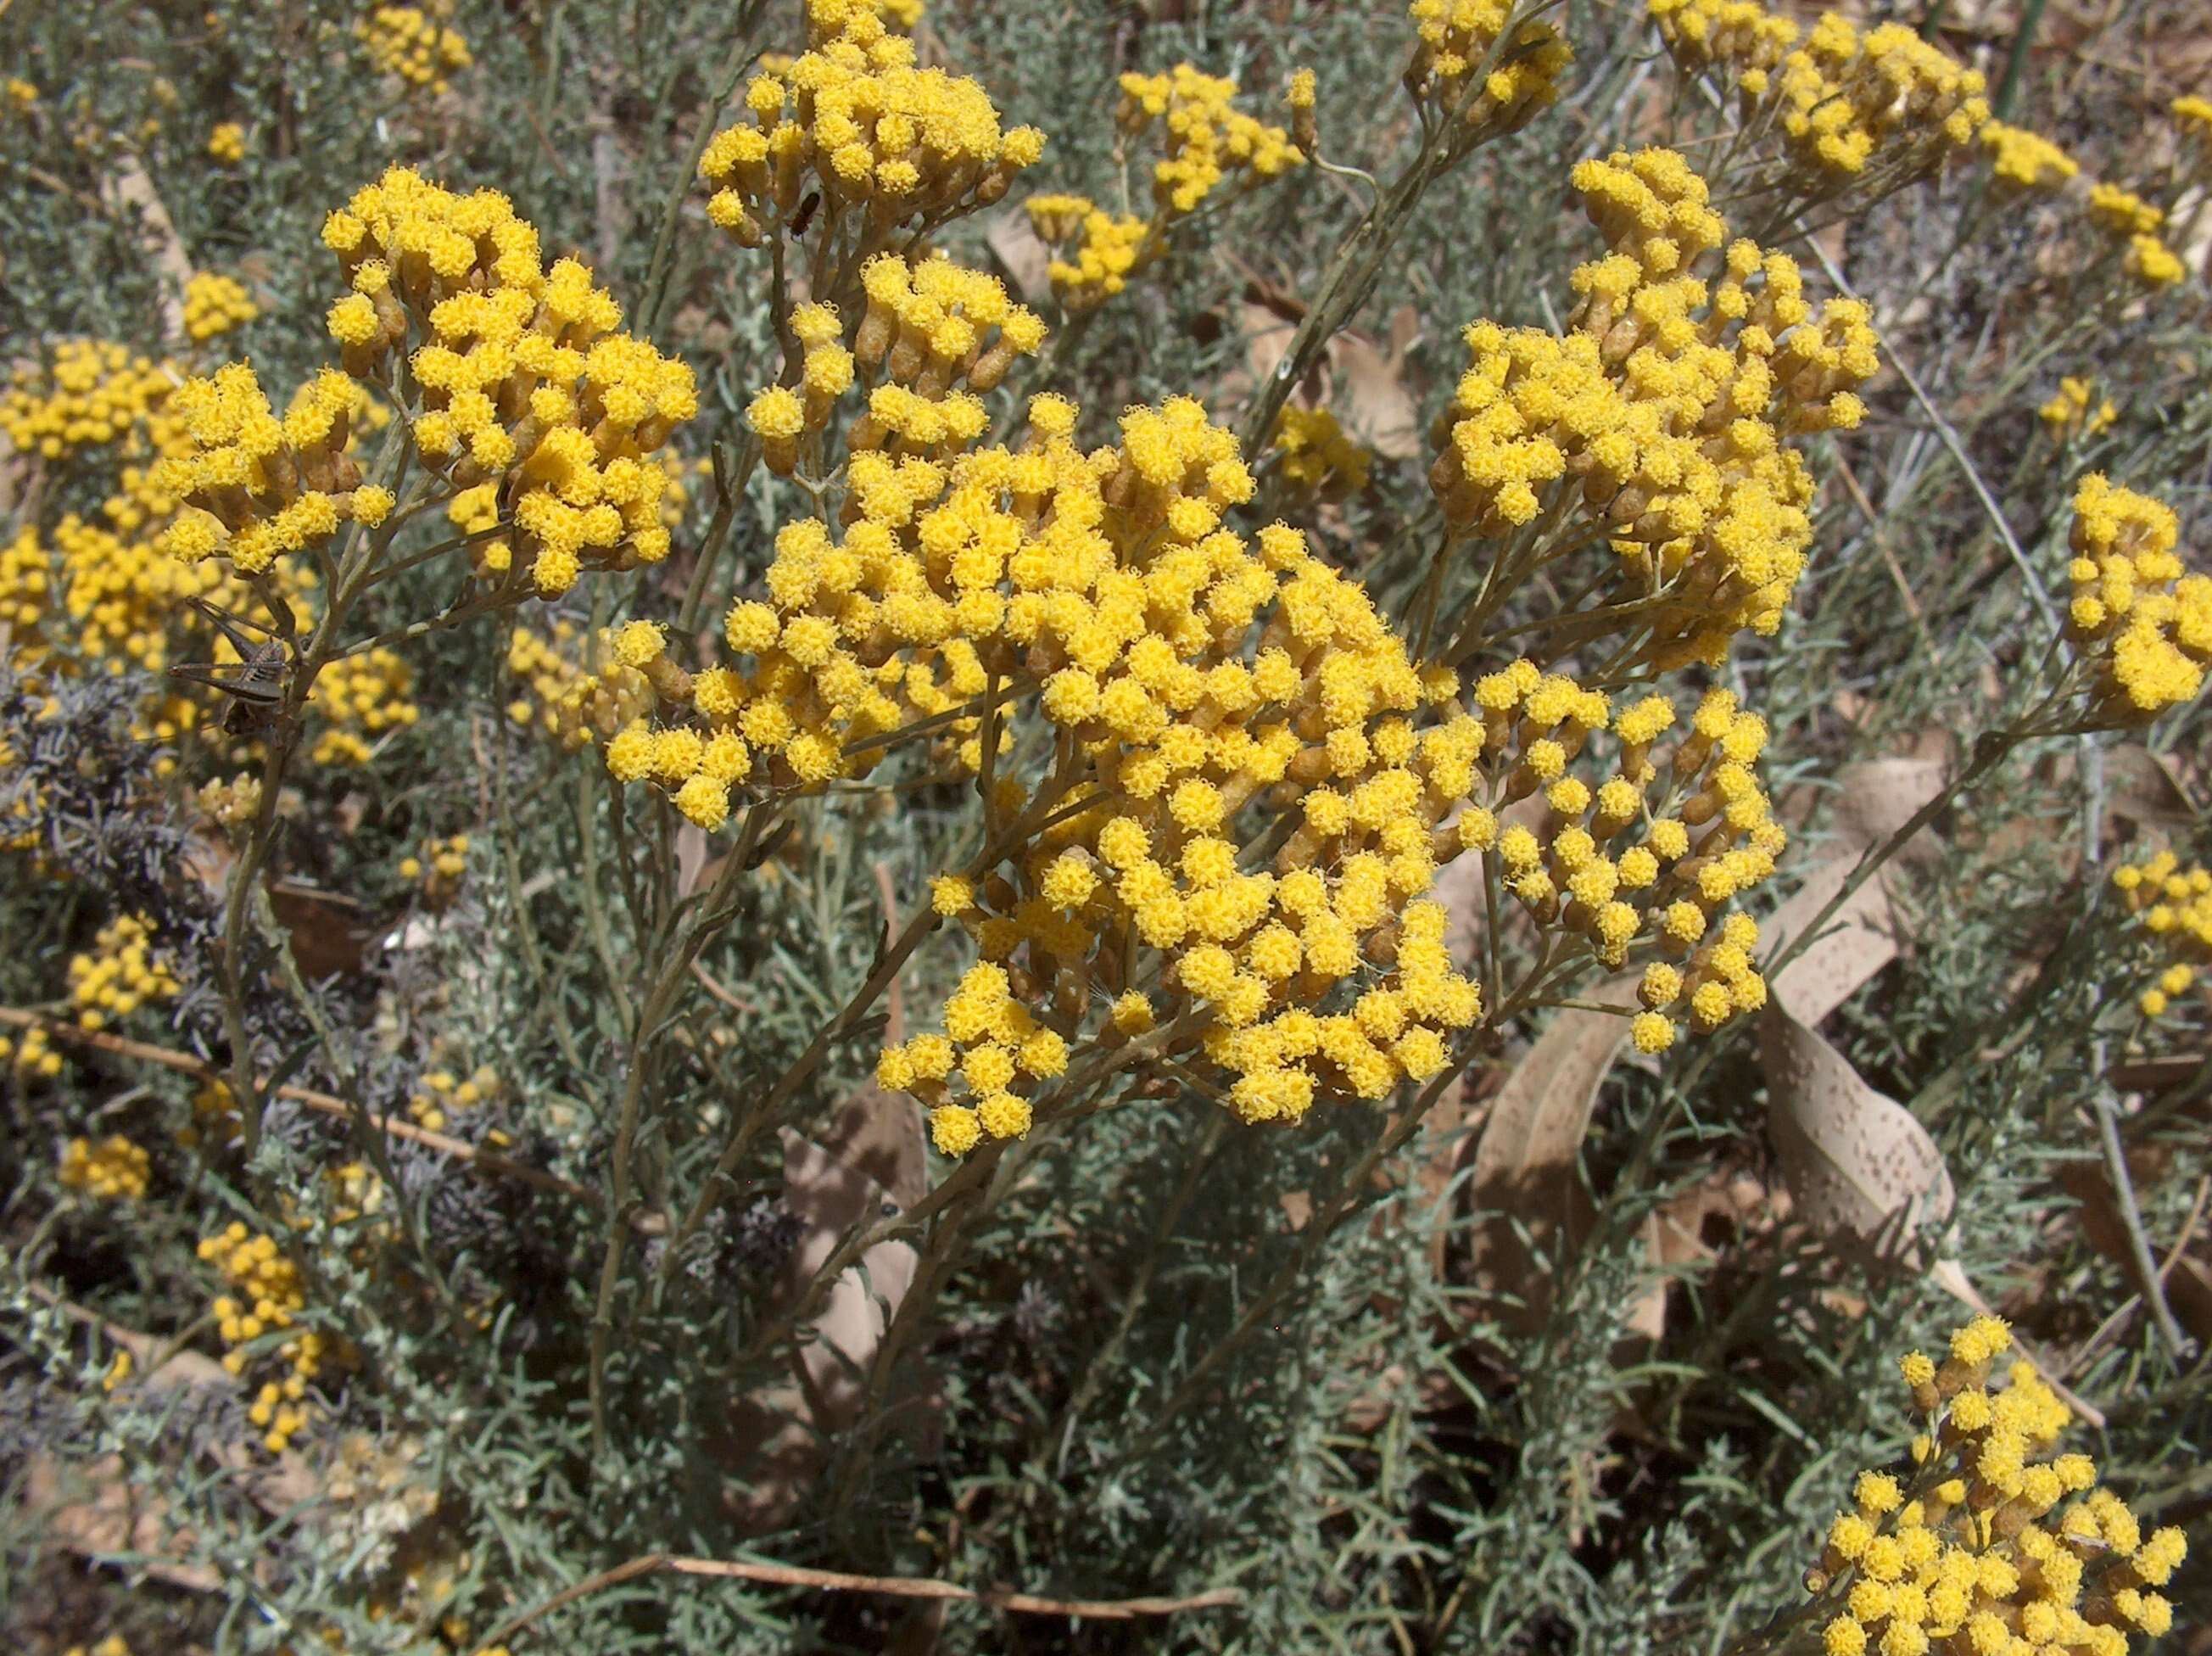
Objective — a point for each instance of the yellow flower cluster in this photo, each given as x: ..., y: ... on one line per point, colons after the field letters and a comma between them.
x: 420, y: 50
x: 260, y: 487
x: 2122, y: 212
x: 1983, y: 1551
x: 1886, y: 98
x: 1654, y: 851
x: 526, y: 380
x: 2141, y: 622
x: 577, y: 703
x: 1205, y: 141
x: 1664, y: 412
x: 20, y: 95
x: 216, y: 1117
x: 440, y: 868
x: 114, y: 1168
x: 27, y: 591
x: 2151, y: 262
x: 1873, y: 110
x: 120, y: 974
x: 475, y: 511
x: 2069, y: 414
x: 267, y: 1295
x: 121, y: 596
x: 1098, y: 266
x: 442, y: 1094
x: 34, y: 1054
x: 93, y: 393
x: 1143, y: 670
x: 2174, y: 906
x: 936, y: 335
x: 874, y: 133
x: 110, y: 596
x: 216, y: 304
x: 363, y: 697
x: 2025, y: 160
x: 226, y: 144
x: 1317, y: 458
x: 1181, y: 673
x: 1205, y: 136
x: 230, y: 805
x: 2193, y: 116
x: 1739, y: 39
x: 113, y: 1644
x: 1459, y: 37
x: 2127, y: 217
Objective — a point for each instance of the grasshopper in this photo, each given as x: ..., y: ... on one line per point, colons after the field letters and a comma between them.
x: 255, y: 682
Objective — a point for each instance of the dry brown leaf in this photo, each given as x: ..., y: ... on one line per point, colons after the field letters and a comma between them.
x: 1368, y: 393
x: 330, y: 933
x: 692, y: 856
x: 871, y: 1163
x: 95, y: 1510
x: 1855, y: 943
x: 1675, y: 1237
x: 1524, y: 1180
x: 2155, y: 1074
x: 1876, y: 798
x: 1022, y: 254
x: 1266, y: 331
x: 1858, y: 1164
x: 1360, y: 380
x: 2143, y: 786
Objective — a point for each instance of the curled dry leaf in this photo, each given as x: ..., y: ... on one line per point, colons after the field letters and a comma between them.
x: 1367, y: 391
x: 1529, y: 1199
x: 1858, y: 1163
x: 1855, y: 943
x: 1360, y: 380
x: 871, y: 1165
x: 1021, y: 254
x: 2146, y: 790
x: 1873, y: 801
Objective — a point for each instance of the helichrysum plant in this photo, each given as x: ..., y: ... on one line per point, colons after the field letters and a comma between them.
x: 761, y: 873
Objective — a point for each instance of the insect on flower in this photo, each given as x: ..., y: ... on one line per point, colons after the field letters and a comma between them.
x: 255, y: 682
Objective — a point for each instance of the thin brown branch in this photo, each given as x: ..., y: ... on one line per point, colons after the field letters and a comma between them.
x: 736, y: 1003
x: 484, y: 1160
x: 895, y: 1587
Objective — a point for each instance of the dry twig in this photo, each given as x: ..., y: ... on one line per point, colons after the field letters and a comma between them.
x: 895, y: 1587
x: 169, y: 1057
